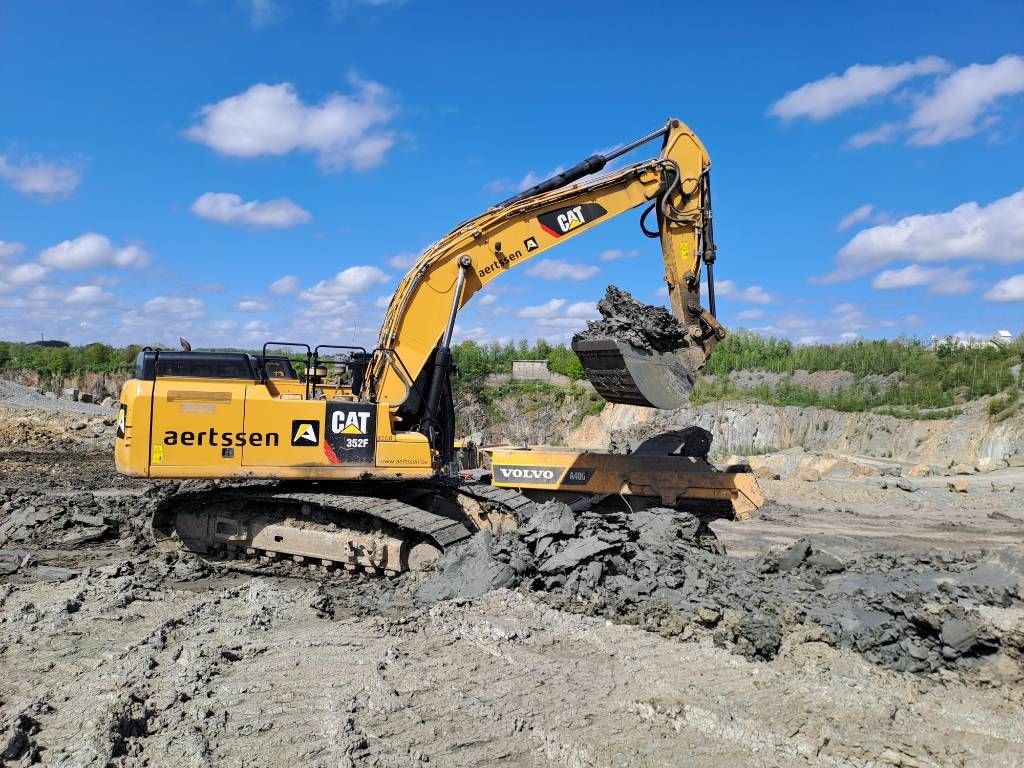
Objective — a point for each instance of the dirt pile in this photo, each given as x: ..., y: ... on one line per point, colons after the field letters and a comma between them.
x: 909, y: 612
x: 16, y: 395
x: 35, y: 518
x: 642, y: 325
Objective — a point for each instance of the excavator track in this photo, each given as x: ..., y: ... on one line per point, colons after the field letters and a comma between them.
x: 405, y: 529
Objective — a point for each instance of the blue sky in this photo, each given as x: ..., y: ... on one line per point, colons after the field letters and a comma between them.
x: 239, y: 170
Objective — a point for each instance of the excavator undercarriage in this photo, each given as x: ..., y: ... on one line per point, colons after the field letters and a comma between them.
x: 390, y: 528
x: 377, y: 528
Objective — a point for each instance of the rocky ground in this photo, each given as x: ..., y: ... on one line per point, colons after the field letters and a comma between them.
x: 851, y: 625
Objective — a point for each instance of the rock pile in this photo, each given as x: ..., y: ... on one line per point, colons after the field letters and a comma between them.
x: 34, y: 520
x: 642, y: 325
x: 654, y: 568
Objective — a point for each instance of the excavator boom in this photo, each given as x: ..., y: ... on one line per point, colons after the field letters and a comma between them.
x: 676, y: 188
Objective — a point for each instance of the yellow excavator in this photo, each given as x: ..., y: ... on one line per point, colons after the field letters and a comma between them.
x: 340, y: 457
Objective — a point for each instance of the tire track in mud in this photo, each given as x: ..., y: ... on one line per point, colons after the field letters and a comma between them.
x: 139, y: 702
x: 253, y: 673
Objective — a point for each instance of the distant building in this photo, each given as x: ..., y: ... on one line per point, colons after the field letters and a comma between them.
x: 530, y: 370
x: 997, y: 339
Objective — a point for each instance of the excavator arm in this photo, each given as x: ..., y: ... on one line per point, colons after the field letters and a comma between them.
x: 413, y: 354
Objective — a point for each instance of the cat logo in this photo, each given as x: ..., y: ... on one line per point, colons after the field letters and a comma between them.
x: 349, y: 423
x: 305, y: 432
x: 562, y: 221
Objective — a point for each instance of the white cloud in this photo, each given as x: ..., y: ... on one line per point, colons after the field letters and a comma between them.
x: 41, y: 179
x: 531, y: 179
x: 497, y: 186
x: 586, y: 310
x: 223, y: 326
x: 228, y: 208
x: 92, y: 250
x: 334, y: 296
x: 340, y: 9
x: 850, y: 317
x: 994, y: 232
x: 174, y: 306
x: 44, y: 294
x: 953, y: 109
x: 284, y: 285
x: 857, y: 215
x: 836, y: 324
x: 486, y: 300
x: 860, y: 83
x: 477, y: 333
x: 1010, y: 289
x: 252, y: 305
x: 25, y: 274
x: 547, y: 309
x: 88, y: 294
x: 557, y: 315
x: 615, y: 254
x: 883, y: 134
x: 263, y: 13
x: 939, y: 280
x: 555, y: 269
x: 344, y: 130
x: 563, y: 321
x: 256, y: 328
x: 750, y: 314
x: 383, y: 302
x: 9, y: 250
x: 403, y: 260
x: 728, y: 289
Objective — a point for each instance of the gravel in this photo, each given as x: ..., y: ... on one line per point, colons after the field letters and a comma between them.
x: 19, y: 396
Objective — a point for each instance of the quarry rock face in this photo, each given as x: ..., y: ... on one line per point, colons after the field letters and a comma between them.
x: 748, y: 427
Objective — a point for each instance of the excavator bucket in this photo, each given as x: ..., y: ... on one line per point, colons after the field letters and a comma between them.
x: 638, y: 354
x: 624, y: 373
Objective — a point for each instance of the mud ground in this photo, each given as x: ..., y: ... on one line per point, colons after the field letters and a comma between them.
x: 113, y: 654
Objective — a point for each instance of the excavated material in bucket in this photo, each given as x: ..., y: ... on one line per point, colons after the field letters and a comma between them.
x: 638, y: 354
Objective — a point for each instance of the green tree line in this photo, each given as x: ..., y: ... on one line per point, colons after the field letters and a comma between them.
x: 475, y: 361
x: 52, y: 360
x: 932, y: 376
x: 928, y: 376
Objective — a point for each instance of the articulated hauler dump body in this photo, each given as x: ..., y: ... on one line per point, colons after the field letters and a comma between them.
x: 356, y: 447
